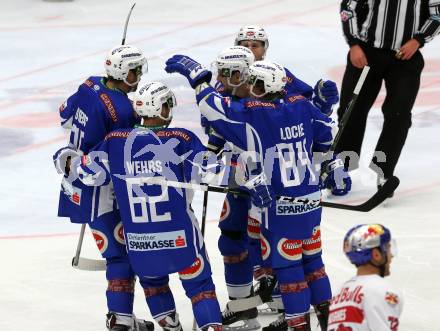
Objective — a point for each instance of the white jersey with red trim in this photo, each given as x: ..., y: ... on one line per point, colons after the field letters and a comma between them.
x: 365, y: 303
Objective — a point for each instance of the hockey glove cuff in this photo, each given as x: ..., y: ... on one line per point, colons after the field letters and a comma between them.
x: 335, y: 177
x: 61, y: 159
x: 261, y: 193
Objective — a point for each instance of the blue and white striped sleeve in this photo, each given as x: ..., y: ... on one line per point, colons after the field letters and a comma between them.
x: 228, y: 118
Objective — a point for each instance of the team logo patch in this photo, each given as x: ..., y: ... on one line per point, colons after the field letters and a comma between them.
x: 139, y: 103
x: 108, y: 62
x: 118, y: 232
x: 253, y: 228
x: 194, y: 270
x: 373, y: 231
x: 73, y: 193
x: 392, y: 298
x: 250, y: 33
x: 101, y: 240
x: 265, y: 247
x: 313, y: 245
x: 226, y: 209
x: 96, y: 87
x: 346, y: 15
x: 290, y: 249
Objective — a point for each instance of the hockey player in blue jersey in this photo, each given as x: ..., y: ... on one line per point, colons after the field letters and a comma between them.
x: 231, y: 67
x: 285, y: 132
x: 99, y: 106
x: 325, y: 93
x: 160, y: 228
x: 239, y: 245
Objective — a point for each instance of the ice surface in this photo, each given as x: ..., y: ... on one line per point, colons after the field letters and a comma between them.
x: 49, y: 48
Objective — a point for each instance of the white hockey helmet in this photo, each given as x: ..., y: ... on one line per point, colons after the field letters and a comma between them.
x: 252, y: 32
x: 121, y: 59
x: 271, y: 74
x: 149, y: 98
x: 232, y: 59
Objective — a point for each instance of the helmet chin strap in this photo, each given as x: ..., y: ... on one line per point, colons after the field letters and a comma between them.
x: 256, y: 95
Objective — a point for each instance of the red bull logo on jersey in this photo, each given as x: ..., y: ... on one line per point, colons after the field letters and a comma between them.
x: 356, y: 295
x: 118, y: 233
x: 253, y: 228
x: 313, y: 245
x: 226, y: 209
x: 194, y: 270
x: 265, y: 247
x: 145, y: 242
x: 290, y: 249
x: 392, y: 298
x: 101, y: 240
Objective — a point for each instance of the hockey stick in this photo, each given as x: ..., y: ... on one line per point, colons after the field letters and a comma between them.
x: 350, y: 107
x: 380, y: 196
x: 77, y: 261
x: 126, y: 24
x: 204, y: 212
x: 83, y: 263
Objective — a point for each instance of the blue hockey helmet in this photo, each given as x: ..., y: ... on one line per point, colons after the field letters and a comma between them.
x: 361, y: 239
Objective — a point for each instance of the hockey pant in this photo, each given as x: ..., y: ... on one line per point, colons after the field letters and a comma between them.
x: 108, y: 234
x: 299, y: 269
x: 233, y: 245
x: 199, y: 288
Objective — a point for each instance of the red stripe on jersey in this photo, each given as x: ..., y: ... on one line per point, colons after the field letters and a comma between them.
x: 347, y: 314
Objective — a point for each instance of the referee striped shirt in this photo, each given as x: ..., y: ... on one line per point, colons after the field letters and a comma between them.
x: 388, y: 24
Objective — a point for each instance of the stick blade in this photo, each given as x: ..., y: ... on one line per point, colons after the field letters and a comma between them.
x: 380, y: 196
x: 89, y: 264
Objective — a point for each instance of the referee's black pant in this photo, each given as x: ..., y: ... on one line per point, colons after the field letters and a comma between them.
x: 402, y: 81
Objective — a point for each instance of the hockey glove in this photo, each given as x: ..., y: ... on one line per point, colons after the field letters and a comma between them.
x: 335, y: 177
x: 61, y: 159
x: 261, y: 193
x: 92, y: 170
x: 192, y: 70
x: 325, y: 96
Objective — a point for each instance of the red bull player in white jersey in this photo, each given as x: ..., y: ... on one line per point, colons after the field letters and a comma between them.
x: 367, y: 302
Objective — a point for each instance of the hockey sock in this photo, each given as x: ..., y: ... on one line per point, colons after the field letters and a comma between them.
x: 317, y: 279
x: 238, y: 267
x: 206, y: 308
x: 294, y: 290
x: 159, y: 297
x: 120, y: 290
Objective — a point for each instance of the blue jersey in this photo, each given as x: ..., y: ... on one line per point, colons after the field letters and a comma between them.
x: 293, y: 86
x: 284, y: 133
x: 90, y: 114
x: 160, y: 228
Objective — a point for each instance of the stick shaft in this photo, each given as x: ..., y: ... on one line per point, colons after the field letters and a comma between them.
x: 78, y: 247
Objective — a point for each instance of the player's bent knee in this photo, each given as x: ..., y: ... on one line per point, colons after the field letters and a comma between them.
x: 232, y: 243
